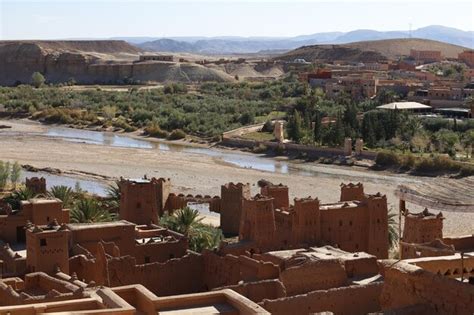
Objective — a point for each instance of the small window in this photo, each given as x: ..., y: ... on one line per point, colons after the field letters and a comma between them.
x: 147, y: 259
x: 43, y: 242
x: 47, y: 219
x: 171, y: 256
x: 340, y: 223
x: 139, y: 205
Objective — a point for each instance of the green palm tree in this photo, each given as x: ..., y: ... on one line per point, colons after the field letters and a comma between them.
x: 113, y: 195
x: 187, y: 221
x: 63, y: 193
x: 392, y: 228
x: 90, y: 211
x: 18, y: 195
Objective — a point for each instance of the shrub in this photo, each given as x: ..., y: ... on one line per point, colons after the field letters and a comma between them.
x: 37, y: 79
x: 387, y: 158
x: 260, y: 148
x: 177, y: 134
x: 154, y: 130
x: 121, y: 123
x: 268, y: 126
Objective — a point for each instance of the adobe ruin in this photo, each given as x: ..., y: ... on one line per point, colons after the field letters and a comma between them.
x: 290, y: 258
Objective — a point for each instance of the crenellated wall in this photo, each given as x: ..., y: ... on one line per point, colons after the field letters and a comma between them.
x: 232, y: 196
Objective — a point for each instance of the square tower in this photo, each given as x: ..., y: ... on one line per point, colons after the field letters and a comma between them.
x: 232, y: 196
x: 42, y: 211
x: 47, y: 248
x: 258, y: 221
x: 378, y: 225
x: 307, y: 221
x: 142, y: 201
x: 422, y: 227
x: 351, y: 192
x: 36, y: 185
x: 279, y: 193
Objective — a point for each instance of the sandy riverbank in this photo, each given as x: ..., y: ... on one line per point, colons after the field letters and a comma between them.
x: 193, y: 173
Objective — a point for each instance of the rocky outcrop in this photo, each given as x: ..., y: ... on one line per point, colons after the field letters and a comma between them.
x: 92, y: 62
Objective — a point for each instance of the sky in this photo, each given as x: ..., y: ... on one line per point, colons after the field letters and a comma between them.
x: 67, y: 19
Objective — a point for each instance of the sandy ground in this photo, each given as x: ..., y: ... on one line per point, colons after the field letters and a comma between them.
x: 195, y: 173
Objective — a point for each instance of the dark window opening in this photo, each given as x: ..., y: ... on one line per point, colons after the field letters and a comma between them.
x: 147, y: 259
x: 43, y: 242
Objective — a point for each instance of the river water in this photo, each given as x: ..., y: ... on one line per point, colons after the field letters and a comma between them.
x: 231, y: 157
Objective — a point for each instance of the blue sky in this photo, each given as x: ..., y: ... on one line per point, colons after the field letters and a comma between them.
x: 55, y: 19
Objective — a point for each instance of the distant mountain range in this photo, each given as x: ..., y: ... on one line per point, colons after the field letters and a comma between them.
x: 230, y: 44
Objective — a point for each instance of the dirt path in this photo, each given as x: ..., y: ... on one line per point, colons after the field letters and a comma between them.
x: 193, y: 173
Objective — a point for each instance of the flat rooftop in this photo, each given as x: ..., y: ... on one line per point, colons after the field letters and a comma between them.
x: 319, y: 253
x: 85, y: 226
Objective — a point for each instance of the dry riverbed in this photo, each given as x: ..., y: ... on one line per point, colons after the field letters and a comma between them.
x: 193, y: 173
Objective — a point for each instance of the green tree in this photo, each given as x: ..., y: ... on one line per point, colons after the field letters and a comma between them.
x: 447, y: 139
x: 338, y: 132
x: 318, y: 128
x: 17, y: 196
x: 468, y: 142
x: 37, y: 79
x: 187, y: 222
x: 113, y: 195
x: 4, y: 174
x: 15, y: 174
x: 295, y: 127
x: 63, y: 193
x: 392, y: 228
x: 90, y: 211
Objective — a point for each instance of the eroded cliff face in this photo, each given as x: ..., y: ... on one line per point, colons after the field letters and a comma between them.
x: 105, y: 62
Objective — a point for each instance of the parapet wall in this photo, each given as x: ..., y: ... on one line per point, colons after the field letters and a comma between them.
x: 259, y: 290
x: 175, y: 276
x: 315, y: 151
x: 230, y: 269
x: 349, y: 300
x: 460, y: 243
x: 407, y: 285
x: 180, y: 201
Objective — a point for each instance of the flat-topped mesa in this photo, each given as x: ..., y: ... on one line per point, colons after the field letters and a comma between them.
x: 350, y: 192
x: 142, y: 201
x: 258, y: 220
x: 36, y: 185
x: 278, y: 192
x: 232, y: 196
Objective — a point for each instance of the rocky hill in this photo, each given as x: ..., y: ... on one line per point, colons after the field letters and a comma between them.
x: 92, y: 62
x: 370, y: 51
x: 236, y: 44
